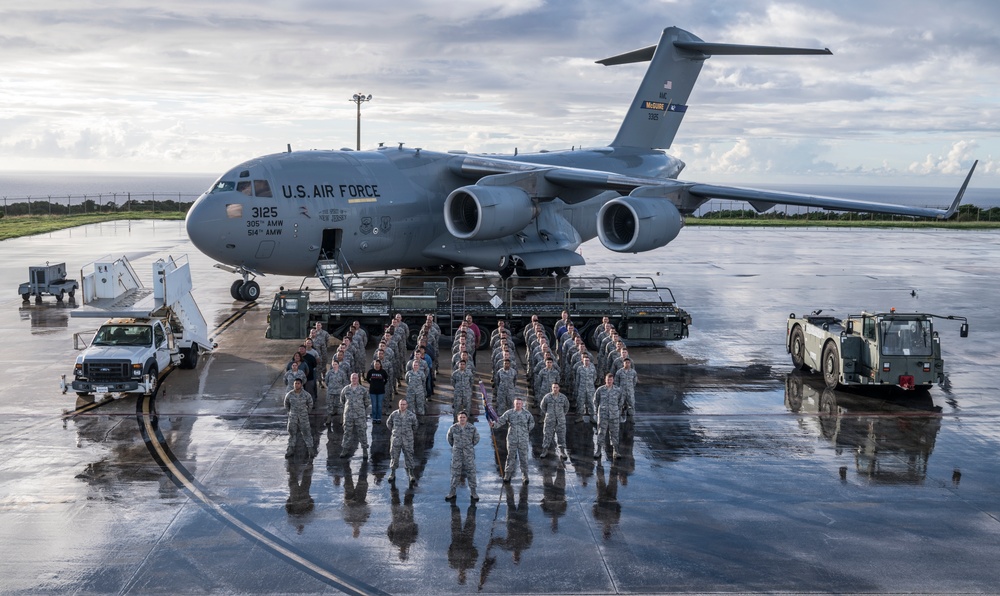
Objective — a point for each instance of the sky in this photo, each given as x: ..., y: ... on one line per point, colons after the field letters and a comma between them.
x: 911, y: 94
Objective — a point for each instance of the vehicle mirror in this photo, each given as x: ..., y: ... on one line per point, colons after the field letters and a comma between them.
x: 964, y: 330
x: 850, y: 327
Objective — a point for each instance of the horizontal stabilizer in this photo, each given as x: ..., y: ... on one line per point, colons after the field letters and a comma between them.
x: 660, y: 103
x: 732, y: 49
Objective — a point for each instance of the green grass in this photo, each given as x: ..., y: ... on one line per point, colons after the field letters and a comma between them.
x: 27, y: 225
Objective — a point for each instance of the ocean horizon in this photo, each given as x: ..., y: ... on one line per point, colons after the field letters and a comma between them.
x: 77, y: 187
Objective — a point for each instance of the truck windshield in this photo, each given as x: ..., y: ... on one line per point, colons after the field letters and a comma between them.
x: 124, y: 335
x: 902, y: 337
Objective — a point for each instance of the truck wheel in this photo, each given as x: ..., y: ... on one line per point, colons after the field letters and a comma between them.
x: 60, y: 295
x: 25, y: 297
x: 234, y: 290
x: 154, y: 378
x: 72, y: 294
x: 190, y: 359
x: 831, y: 365
x: 797, y: 345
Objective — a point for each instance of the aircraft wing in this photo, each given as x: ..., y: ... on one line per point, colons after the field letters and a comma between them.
x: 690, y: 195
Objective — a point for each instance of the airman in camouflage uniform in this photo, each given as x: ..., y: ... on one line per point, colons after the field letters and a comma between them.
x: 608, y: 405
x: 521, y: 422
x: 293, y: 373
x: 402, y: 424
x: 299, y: 403
x: 554, y: 408
x: 461, y: 379
x: 586, y: 374
x: 415, y: 387
x: 463, y: 438
x: 626, y: 378
x: 545, y: 377
x: 506, y: 386
x: 336, y: 379
x: 357, y: 408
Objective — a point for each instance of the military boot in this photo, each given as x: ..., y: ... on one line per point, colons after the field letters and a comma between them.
x: 565, y: 455
x: 474, y: 496
x: 392, y: 475
x: 364, y: 452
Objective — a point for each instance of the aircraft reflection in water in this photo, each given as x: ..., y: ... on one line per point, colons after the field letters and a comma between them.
x: 891, y: 439
x: 329, y: 213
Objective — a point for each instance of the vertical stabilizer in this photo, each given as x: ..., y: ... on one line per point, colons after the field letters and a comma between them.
x: 659, y: 106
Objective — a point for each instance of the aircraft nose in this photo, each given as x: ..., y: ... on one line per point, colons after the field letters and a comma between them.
x: 207, y: 228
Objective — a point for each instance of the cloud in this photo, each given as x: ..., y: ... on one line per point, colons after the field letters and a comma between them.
x: 111, y: 83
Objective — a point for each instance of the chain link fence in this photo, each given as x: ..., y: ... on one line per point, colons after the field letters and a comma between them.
x: 124, y: 202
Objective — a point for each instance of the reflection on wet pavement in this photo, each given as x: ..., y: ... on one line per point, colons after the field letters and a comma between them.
x: 736, y: 476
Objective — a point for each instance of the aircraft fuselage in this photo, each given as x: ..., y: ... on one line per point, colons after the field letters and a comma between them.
x: 377, y: 210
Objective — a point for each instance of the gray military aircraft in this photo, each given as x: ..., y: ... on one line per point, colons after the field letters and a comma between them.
x: 328, y: 213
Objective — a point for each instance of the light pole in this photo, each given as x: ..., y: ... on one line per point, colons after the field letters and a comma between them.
x: 360, y: 99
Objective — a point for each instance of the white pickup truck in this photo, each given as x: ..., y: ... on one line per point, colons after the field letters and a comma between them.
x: 148, y: 332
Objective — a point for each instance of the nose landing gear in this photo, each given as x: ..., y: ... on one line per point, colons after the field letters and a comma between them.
x: 246, y: 290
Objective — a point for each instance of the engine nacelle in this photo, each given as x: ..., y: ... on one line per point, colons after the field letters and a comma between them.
x: 487, y: 212
x: 638, y: 224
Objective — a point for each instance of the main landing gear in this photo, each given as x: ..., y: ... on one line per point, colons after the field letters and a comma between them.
x: 511, y: 264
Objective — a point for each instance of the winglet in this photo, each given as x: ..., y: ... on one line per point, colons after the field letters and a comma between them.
x: 961, y: 192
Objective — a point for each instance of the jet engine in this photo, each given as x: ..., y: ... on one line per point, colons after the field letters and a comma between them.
x: 487, y: 212
x: 638, y: 224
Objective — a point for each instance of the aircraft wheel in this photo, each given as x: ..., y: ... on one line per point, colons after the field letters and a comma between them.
x: 250, y: 291
x: 562, y: 271
x: 798, y: 348
x: 234, y: 290
x: 831, y: 365
x: 521, y: 270
x: 506, y: 267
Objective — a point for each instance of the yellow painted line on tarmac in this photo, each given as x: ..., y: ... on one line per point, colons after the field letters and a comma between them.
x: 265, y: 539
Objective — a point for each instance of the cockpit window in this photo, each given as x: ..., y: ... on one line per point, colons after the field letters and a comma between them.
x: 223, y: 186
x: 244, y: 187
x: 261, y: 188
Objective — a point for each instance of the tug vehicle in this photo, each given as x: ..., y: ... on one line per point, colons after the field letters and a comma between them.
x: 871, y: 349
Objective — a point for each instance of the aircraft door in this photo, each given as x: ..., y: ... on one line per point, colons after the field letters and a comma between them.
x: 333, y: 238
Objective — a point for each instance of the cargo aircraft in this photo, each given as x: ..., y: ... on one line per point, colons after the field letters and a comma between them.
x: 333, y: 213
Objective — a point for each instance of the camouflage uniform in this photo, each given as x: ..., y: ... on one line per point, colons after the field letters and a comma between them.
x: 544, y: 379
x: 626, y: 378
x: 506, y: 387
x: 585, y: 377
x: 463, y: 442
x: 357, y: 407
x: 416, y: 391
x: 521, y: 424
x: 608, y: 405
x: 401, y: 427
x: 335, y: 383
x: 554, y: 408
x: 462, y: 381
x: 299, y: 404
x: 290, y: 377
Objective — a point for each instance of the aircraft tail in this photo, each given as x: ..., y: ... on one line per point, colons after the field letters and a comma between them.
x: 675, y: 62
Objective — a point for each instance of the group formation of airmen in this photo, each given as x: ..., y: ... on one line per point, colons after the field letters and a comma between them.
x: 561, y: 374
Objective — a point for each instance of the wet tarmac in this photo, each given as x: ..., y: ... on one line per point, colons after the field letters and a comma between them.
x: 737, y: 476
